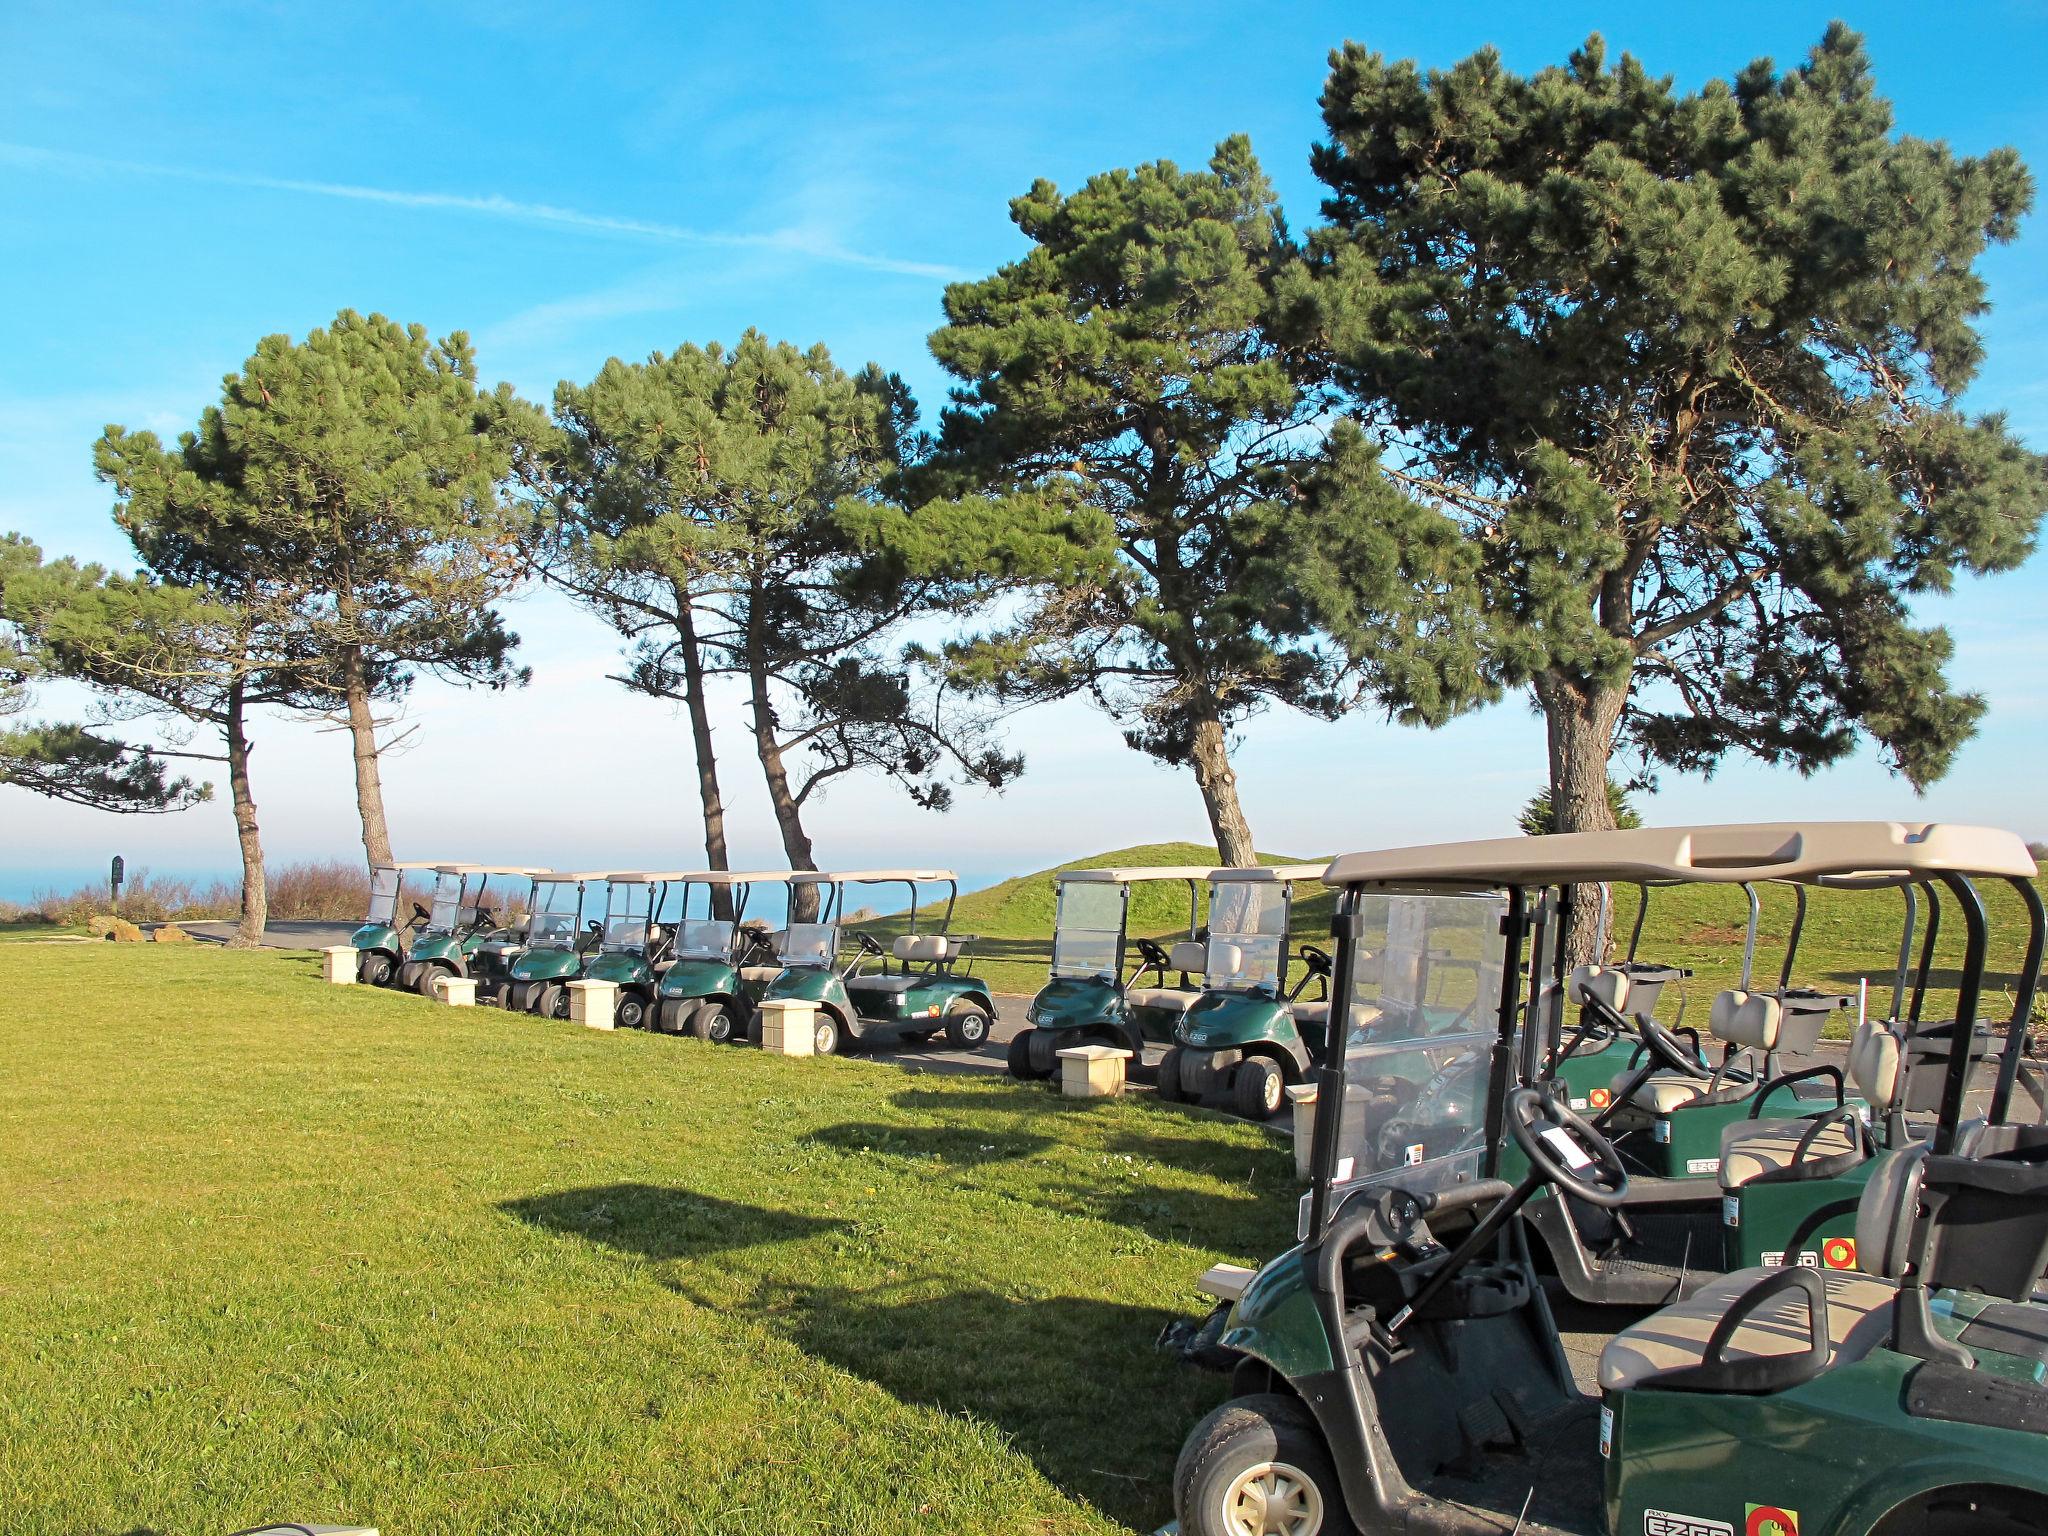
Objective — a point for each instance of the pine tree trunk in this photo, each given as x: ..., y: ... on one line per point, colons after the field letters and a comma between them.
x: 796, y: 845
x: 1210, y: 754
x: 255, y: 898
x: 362, y: 730
x: 1581, y: 722
x: 715, y: 856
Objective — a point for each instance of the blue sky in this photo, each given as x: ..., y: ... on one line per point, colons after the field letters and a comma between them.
x: 568, y: 185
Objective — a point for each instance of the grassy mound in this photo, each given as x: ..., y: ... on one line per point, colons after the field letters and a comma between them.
x: 271, y: 1249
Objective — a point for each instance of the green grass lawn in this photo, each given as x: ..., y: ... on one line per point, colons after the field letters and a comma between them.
x: 36, y: 929
x: 272, y: 1249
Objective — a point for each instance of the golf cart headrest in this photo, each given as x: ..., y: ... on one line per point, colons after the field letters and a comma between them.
x: 1603, y: 982
x: 1189, y: 956
x: 922, y: 946
x: 1750, y: 1019
x: 1876, y: 1066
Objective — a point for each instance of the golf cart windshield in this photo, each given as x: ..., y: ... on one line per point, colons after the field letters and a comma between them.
x: 447, y: 902
x: 1089, y: 929
x: 1423, y: 1019
x: 628, y: 913
x: 553, y: 922
x: 703, y: 938
x: 1247, y: 932
x: 384, y: 885
x: 809, y: 944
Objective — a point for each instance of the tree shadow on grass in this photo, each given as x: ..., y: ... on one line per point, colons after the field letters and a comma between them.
x: 958, y: 1146
x: 1077, y: 1384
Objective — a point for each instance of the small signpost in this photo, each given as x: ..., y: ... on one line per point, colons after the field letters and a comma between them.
x: 120, y: 873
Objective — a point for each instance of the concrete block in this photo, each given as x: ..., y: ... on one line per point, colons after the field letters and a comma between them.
x: 591, y: 1003
x: 1303, y: 1098
x: 456, y: 991
x: 789, y: 1027
x: 1226, y: 1282
x: 1092, y: 1071
x: 338, y: 965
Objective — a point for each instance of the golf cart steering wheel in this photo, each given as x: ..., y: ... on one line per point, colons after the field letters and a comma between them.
x: 1669, y: 1051
x: 1153, y: 953
x: 421, y: 914
x: 1564, y: 1148
x: 865, y: 942
x: 1317, y: 960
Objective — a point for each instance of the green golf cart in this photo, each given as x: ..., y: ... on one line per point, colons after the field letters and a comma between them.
x: 490, y: 963
x: 721, y: 965
x: 1401, y: 1369
x: 1249, y: 1036
x: 1790, y: 1189
x: 557, y: 944
x: 458, y: 923
x: 1088, y: 999
x: 382, y: 941
x: 911, y: 990
x: 634, y: 941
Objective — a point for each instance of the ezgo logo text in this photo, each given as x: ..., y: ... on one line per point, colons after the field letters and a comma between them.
x: 1661, y: 1522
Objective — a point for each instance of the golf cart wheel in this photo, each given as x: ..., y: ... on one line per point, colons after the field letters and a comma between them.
x: 1258, y: 1464
x: 1167, y: 1084
x: 1020, y: 1058
x: 373, y: 969
x: 754, y: 1029
x: 1257, y: 1088
x: 424, y: 978
x: 713, y: 1022
x: 553, y: 1002
x: 631, y: 1011
x: 967, y: 1026
x: 827, y: 1037
x: 1045, y: 1050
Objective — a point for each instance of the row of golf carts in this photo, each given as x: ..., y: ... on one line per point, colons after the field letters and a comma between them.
x: 681, y: 949
x: 1828, y: 1277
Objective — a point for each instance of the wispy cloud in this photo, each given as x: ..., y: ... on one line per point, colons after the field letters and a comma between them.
x: 806, y: 243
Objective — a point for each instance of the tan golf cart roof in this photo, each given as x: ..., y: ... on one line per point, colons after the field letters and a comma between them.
x: 1133, y: 874
x: 456, y: 869
x: 651, y: 876
x: 866, y: 876
x: 506, y: 869
x: 570, y: 876
x: 417, y: 864
x: 1269, y: 873
x: 1779, y: 850
x: 734, y: 876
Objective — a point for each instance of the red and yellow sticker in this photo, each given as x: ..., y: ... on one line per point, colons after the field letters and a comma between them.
x: 1599, y: 1098
x: 1838, y: 1253
x: 1770, y: 1520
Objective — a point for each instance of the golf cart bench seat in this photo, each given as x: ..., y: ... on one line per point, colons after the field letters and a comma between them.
x: 1363, y: 1015
x: 1760, y: 1149
x: 1675, y: 1337
x: 760, y: 973
x: 930, y: 949
x: 1750, y: 1020
x: 1189, y: 957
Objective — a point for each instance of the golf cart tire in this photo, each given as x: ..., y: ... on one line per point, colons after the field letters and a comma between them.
x: 373, y: 969
x: 631, y: 1011
x: 754, y: 1028
x: 712, y: 1022
x: 829, y: 1036
x: 1265, y: 1430
x: 423, y: 979
x: 1045, y: 1050
x: 553, y: 1001
x: 1257, y: 1088
x: 1019, y: 1055
x: 967, y: 1025
x: 1167, y: 1083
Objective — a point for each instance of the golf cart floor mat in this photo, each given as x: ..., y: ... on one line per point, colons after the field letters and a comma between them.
x: 1561, y: 1463
x: 2011, y: 1330
x: 1671, y: 1243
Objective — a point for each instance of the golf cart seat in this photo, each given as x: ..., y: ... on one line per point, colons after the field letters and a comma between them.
x: 1752, y: 1020
x: 760, y: 973
x: 1922, y: 1223
x: 1774, y: 1150
x: 930, y: 949
x: 1610, y: 984
x: 1363, y: 1015
x: 1188, y: 957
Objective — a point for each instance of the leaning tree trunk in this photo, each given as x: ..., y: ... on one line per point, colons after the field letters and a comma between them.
x: 362, y: 730
x: 715, y: 856
x: 796, y: 844
x: 1581, y: 720
x: 1209, y: 752
x: 255, y: 898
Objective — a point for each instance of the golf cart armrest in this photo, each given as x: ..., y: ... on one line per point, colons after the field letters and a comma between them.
x: 1822, y: 1124
x: 1756, y: 1374
x: 1786, y: 1079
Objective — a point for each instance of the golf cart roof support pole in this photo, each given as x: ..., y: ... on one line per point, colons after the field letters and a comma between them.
x: 1926, y: 949
x: 1749, y: 938
x: 1513, y: 927
x: 952, y: 895
x: 2023, y: 1004
x: 1603, y: 923
x: 1792, y: 944
x: 1912, y: 895
x: 1635, y: 934
x: 1957, y: 1084
x: 1194, y: 905
x: 1347, y: 927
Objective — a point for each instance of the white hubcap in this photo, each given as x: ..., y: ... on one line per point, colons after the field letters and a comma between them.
x: 1272, y: 1499
x: 1272, y: 1093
